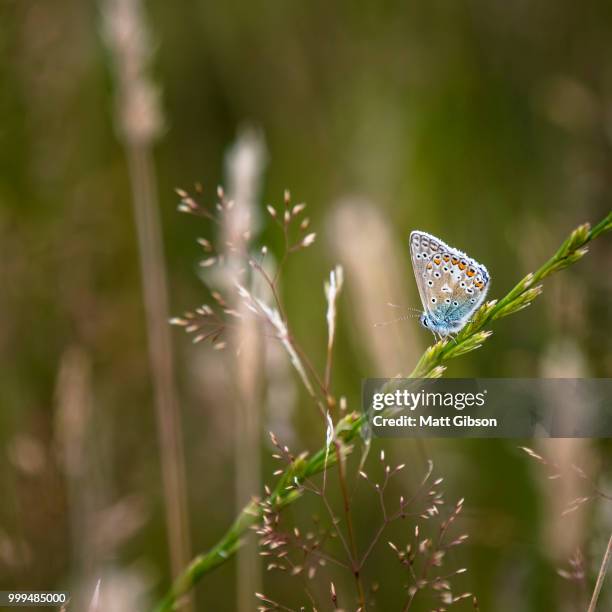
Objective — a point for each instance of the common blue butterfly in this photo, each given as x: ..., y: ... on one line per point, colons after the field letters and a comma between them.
x: 451, y: 284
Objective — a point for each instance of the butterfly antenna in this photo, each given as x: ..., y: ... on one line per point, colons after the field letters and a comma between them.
x: 403, y: 307
x: 403, y: 318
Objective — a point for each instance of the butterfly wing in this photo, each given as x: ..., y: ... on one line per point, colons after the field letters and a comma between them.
x: 421, y: 251
x: 451, y: 284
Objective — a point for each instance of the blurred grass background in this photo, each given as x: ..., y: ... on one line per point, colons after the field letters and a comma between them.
x: 487, y: 124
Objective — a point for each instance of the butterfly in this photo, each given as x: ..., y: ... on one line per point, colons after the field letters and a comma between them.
x: 452, y: 285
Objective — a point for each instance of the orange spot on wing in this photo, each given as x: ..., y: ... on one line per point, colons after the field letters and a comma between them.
x: 455, y: 260
x: 462, y: 265
x: 471, y: 272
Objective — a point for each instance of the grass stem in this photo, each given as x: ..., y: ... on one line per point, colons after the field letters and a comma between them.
x: 155, y: 296
x: 603, y: 570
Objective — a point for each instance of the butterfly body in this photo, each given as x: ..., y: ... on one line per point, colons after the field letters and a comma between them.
x: 452, y: 286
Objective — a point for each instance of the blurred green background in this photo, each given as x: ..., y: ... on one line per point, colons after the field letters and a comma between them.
x: 488, y: 124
